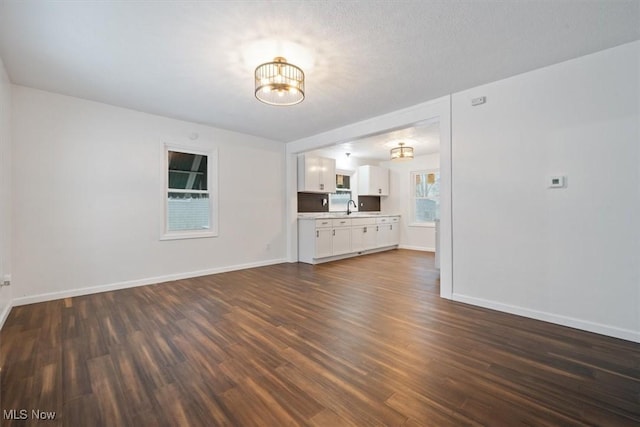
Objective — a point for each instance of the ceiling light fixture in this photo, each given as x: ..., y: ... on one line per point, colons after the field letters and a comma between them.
x: 402, y: 152
x: 279, y: 83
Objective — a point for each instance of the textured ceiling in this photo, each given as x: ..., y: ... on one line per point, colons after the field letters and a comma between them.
x: 194, y: 60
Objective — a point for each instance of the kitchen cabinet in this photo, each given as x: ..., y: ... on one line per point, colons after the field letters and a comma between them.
x: 373, y: 181
x: 323, y: 238
x: 341, y: 243
x: 388, y: 231
x: 363, y: 234
x: 326, y: 239
x: 316, y: 174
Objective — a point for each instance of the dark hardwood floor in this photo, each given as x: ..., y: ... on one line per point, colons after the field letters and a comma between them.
x: 360, y: 342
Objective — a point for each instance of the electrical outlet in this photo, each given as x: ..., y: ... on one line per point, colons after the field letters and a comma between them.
x: 6, y: 280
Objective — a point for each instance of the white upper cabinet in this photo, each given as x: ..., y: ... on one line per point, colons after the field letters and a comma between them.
x: 316, y: 174
x: 373, y: 181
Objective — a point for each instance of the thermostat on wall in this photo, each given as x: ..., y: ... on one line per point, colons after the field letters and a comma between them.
x: 478, y: 101
x: 556, y: 181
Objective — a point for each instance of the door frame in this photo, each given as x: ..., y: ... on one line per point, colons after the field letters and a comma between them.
x: 438, y: 109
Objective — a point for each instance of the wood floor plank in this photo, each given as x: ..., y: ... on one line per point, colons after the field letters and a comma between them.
x: 106, y: 384
x: 82, y: 411
x: 427, y: 412
x: 329, y: 418
x: 365, y: 341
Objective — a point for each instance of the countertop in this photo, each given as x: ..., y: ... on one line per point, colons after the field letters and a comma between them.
x: 337, y: 215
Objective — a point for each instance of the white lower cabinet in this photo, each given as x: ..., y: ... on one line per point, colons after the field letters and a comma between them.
x: 324, y: 242
x: 341, y: 236
x: 321, y: 240
x: 388, y: 231
x: 363, y: 234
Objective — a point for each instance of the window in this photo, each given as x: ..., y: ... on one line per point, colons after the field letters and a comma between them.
x: 188, y: 192
x: 425, y: 203
x: 338, y: 200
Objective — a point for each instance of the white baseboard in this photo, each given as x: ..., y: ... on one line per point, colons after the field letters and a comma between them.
x: 585, y: 325
x: 349, y: 255
x: 417, y: 248
x: 5, y: 313
x: 141, y: 282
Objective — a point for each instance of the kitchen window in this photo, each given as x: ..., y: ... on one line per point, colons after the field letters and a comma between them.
x: 190, y: 193
x: 338, y: 200
x: 425, y: 200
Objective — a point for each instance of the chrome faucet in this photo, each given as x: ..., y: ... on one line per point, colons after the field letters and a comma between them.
x: 348, y: 204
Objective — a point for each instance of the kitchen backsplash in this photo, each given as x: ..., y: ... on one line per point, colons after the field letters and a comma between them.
x: 318, y: 202
x: 369, y: 203
x: 313, y: 202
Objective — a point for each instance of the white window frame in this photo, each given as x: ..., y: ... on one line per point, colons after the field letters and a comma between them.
x: 212, y: 185
x: 412, y: 198
x: 350, y: 190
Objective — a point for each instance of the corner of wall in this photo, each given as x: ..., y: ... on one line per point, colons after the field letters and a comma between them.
x: 5, y: 192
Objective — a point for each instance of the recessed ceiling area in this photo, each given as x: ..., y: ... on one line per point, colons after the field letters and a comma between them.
x: 195, y: 60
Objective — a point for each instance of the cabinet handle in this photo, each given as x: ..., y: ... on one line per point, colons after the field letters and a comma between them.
x: 317, y: 233
x: 334, y: 232
x: 379, y: 190
x: 322, y: 186
x: 391, y: 227
x: 377, y: 228
x: 365, y: 230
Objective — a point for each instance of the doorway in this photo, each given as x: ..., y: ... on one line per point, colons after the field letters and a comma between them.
x: 437, y: 111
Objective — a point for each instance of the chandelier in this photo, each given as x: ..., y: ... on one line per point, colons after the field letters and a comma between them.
x: 279, y: 83
x: 402, y: 152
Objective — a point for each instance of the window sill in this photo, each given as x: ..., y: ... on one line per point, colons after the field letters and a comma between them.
x: 423, y: 224
x: 179, y: 235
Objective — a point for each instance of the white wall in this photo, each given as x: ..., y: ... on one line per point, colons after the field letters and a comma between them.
x: 571, y: 255
x: 421, y: 238
x: 88, y: 198
x: 5, y: 191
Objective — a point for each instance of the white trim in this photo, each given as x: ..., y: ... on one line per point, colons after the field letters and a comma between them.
x: 175, y: 190
x: 598, y: 328
x: 5, y: 313
x: 431, y: 224
x: 417, y: 248
x: 212, y: 186
x: 445, y: 232
x: 291, y: 204
x: 180, y: 235
x: 141, y: 282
